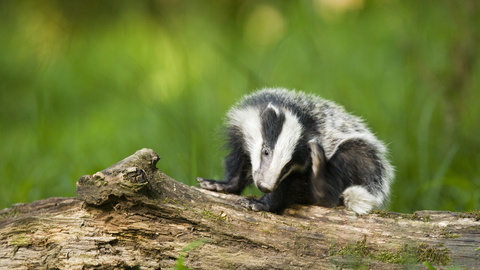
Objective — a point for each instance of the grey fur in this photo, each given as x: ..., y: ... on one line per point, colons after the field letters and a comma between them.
x: 347, y: 163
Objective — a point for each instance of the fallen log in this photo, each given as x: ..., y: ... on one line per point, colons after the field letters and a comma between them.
x: 133, y: 216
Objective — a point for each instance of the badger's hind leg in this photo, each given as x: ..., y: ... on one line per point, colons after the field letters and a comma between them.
x: 237, y: 175
x: 358, y: 168
x: 359, y: 200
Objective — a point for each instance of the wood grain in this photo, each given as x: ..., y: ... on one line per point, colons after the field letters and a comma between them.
x: 133, y: 216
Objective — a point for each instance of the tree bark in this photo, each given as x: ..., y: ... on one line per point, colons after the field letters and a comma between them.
x: 133, y: 216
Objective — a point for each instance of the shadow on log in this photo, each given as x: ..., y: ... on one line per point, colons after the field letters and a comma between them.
x: 133, y: 216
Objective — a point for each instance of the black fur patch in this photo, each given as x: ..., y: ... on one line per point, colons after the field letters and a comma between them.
x: 272, y: 125
x: 356, y: 163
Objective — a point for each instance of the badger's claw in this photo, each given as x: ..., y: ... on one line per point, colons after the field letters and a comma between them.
x: 252, y: 204
x: 210, y: 184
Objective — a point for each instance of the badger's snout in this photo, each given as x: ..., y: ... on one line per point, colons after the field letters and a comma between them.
x: 263, y: 183
x: 263, y: 188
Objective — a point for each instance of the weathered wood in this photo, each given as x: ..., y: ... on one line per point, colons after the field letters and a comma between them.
x: 133, y: 216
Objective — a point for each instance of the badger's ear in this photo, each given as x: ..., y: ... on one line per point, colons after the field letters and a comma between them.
x: 317, y: 155
x: 317, y: 177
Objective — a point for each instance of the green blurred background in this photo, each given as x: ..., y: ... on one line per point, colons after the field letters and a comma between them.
x: 84, y: 84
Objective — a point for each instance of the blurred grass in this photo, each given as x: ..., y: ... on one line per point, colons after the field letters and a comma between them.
x: 83, y: 85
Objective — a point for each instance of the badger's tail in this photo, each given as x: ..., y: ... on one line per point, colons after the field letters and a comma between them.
x: 359, y: 200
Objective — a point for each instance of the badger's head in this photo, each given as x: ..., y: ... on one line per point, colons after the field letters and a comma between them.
x: 274, y: 140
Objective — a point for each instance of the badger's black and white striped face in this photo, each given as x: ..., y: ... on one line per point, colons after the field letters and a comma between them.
x: 272, y: 135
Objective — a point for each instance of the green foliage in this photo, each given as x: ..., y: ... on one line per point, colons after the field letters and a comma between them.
x: 186, y: 249
x: 217, y: 218
x: 471, y: 214
x: 83, y: 86
x: 429, y: 266
x: 440, y: 255
x: 20, y: 240
x: 407, y: 255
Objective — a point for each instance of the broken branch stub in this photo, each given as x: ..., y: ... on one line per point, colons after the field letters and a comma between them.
x: 137, y: 178
x: 129, y: 177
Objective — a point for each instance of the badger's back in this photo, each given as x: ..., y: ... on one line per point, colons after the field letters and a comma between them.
x: 320, y: 118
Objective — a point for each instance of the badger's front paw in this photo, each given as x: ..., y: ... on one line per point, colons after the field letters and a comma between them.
x: 252, y: 204
x: 210, y: 184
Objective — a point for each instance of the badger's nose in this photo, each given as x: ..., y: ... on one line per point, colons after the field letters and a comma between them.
x: 263, y: 188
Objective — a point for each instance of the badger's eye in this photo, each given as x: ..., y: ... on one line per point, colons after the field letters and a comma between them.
x: 266, y: 152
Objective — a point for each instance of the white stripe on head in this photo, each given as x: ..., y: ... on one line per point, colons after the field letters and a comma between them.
x: 284, y: 148
x: 248, y: 120
x: 271, y: 106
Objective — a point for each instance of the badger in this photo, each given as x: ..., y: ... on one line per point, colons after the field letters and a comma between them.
x: 301, y: 149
